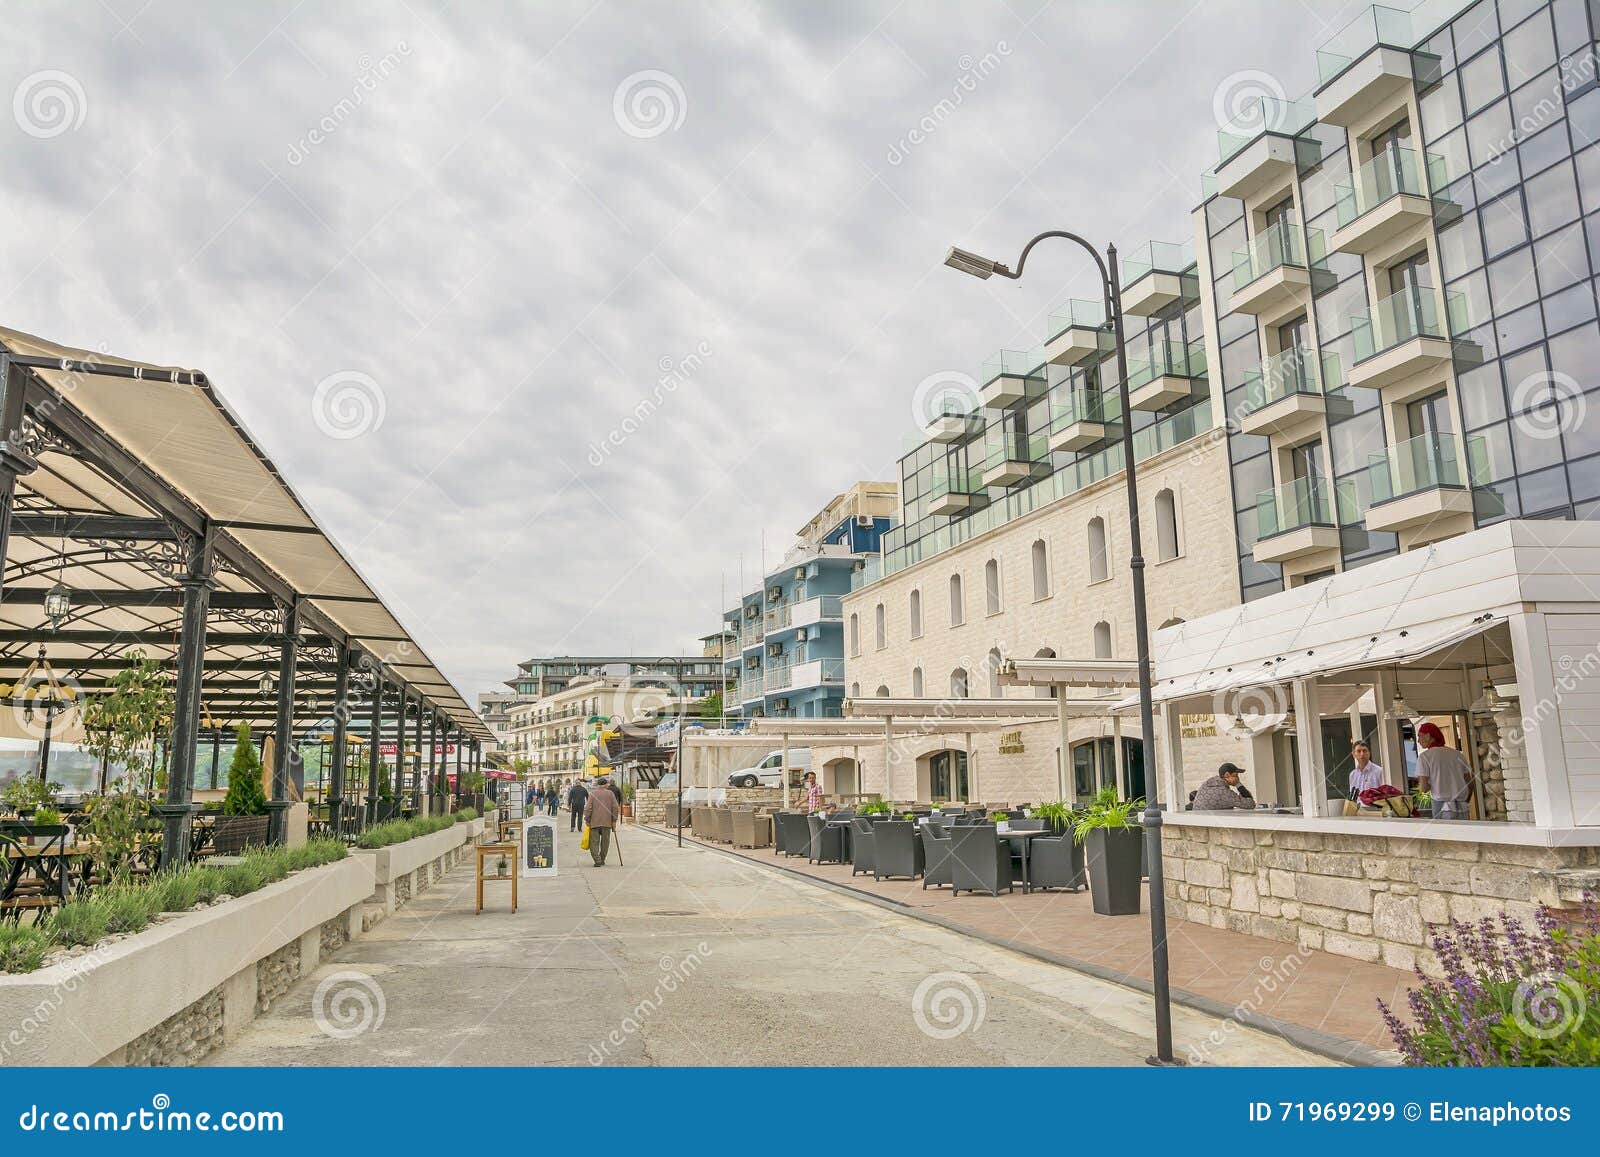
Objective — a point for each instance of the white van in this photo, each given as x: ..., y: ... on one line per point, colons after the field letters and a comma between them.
x: 769, y: 772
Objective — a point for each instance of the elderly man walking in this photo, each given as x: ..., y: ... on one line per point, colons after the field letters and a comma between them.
x: 600, y: 812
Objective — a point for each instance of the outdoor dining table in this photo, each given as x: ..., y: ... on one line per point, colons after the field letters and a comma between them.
x: 1025, y: 848
x: 56, y: 865
x: 846, y: 844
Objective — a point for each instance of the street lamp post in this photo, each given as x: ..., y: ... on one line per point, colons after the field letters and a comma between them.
x: 983, y: 268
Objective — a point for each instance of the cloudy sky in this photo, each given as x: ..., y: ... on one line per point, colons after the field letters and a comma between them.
x: 440, y: 257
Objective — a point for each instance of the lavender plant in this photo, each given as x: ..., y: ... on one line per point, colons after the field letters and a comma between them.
x: 1510, y: 995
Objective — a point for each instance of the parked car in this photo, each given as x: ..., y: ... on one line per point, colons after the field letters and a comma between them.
x: 769, y: 772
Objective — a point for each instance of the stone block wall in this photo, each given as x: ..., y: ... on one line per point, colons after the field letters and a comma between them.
x: 650, y: 804
x: 1371, y: 898
x: 765, y: 796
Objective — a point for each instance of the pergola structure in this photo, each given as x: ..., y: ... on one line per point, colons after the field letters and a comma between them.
x: 137, y: 514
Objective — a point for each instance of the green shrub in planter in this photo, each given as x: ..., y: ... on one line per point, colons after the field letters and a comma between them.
x: 22, y: 949
x: 246, y: 796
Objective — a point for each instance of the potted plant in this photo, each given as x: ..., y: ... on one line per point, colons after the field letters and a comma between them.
x: 1114, y: 846
x: 873, y: 807
x: 1059, y: 816
x: 627, y: 801
x: 1422, y: 802
x: 27, y: 795
x: 502, y: 867
x: 243, y: 821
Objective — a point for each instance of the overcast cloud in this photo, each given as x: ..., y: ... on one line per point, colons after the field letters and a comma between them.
x: 471, y: 208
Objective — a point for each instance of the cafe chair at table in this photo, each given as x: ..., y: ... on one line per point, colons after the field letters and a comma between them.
x: 936, y: 857
x: 897, y: 851
x: 980, y: 861
x: 1057, y: 862
x: 863, y: 839
x: 827, y: 844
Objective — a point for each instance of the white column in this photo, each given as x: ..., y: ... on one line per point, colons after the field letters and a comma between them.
x: 783, y: 772
x: 1117, y: 759
x: 1389, y: 755
x: 888, y: 768
x: 972, y: 769
x: 1308, y: 731
x: 1173, y: 797
x: 1541, y: 724
x: 1062, y: 737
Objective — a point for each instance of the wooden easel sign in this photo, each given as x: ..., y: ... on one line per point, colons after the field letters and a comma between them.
x: 538, y: 847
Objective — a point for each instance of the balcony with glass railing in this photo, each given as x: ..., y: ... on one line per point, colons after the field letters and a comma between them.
x: 1284, y: 393
x: 1080, y: 417
x: 1156, y: 275
x: 1078, y: 333
x: 1165, y: 373
x: 1369, y: 63
x: 954, y: 490
x: 1422, y: 480
x: 1386, y: 197
x: 1295, y: 519
x: 1009, y: 457
x: 1404, y: 334
x: 1273, y: 272
x: 1263, y: 144
x: 953, y: 423
x: 1012, y: 376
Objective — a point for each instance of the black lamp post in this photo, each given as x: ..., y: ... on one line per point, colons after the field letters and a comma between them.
x: 983, y: 268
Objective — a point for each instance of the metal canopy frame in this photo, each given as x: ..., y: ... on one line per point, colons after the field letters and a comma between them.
x: 159, y: 553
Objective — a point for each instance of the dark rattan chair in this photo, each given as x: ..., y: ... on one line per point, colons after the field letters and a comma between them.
x: 897, y: 851
x: 981, y: 862
x: 1056, y: 862
x: 936, y: 857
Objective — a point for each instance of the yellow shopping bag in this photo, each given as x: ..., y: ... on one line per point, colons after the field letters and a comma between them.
x: 584, y: 843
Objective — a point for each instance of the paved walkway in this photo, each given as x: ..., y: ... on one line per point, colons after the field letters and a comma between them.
x: 1326, y: 1001
x: 686, y: 956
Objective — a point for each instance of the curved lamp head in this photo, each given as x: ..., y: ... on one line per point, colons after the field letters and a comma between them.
x: 978, y: 266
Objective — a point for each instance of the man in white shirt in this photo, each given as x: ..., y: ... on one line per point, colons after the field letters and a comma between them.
x: 1365, y: 774
x: 1445, y: 772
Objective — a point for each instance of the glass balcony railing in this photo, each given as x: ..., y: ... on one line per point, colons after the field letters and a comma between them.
x: 951, y: 481
x: 1154, y: 256
x: 1167, y: 359
x: 1014, y: 364
x: 1077, y: 313
x: 1284, y: 244
x: 1071, y: 405
x: 1001, y: 444
x: 1262, y: 115
x: 1298, y: 503
x: 1389, y: 174
x: 1398, y: 318
x: 1426, y: 462
x: 1377, y: 25
x: 1293, y: 371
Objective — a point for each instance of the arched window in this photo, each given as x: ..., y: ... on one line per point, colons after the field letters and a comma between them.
x: 916, y: 682
x: 1044, y: 691
x: 855, y: 634
x: 1099, y: 562
x: 855, y: 690
x: 958, y: 683
x: 1041, y: 570
x: 991, y: 587
x: 1102, y: 640
x: 995, y: 659
x: 958, y: 602
x: 879, y: 634
x: 1166, y: 526
x: 883, y: 691
x: 914, y: 613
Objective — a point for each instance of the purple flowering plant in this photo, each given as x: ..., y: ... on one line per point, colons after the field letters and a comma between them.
x: 1510, y: 995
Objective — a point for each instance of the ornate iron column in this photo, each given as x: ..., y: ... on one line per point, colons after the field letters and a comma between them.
x: 341, y: 720
x: 420, y: 802
x: 284, y: 753
x: 15, y: 458
x: 375, y: 737
x: 177, y: 813
x: 432, y: 788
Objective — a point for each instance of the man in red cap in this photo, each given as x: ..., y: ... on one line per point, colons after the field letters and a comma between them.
x: 1445, y: 772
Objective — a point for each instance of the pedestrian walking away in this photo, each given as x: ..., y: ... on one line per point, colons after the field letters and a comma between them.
x: 600, y: 812
x: 576, y: 798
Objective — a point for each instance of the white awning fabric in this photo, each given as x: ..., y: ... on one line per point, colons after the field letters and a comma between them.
x: 186, y: 435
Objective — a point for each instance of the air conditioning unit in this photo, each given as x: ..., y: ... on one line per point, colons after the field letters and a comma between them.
x: 802, y: 634
x: 753, y: 663
x: 780, y: 705
x: 799, y: 574
x: 775, y: 593
x: 775, y: 649
x: 813, y: 570
x: 864, y: 520
x: 860, y: 565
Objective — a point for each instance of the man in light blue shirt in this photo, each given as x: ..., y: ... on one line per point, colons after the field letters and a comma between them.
x: 1365, y: 774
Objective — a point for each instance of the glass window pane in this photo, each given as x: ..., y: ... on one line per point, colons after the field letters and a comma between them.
x: 1482, y: 82
x: 1497, y: 447
x: 1539, y: 152
x: 1530, y: 48
x: 1460, y: 248
x: 1543, y: 492
x: 1535, y: 448
x: 1489, y: 133
x: 1552, y: 199
x: 1568, y: 308
x: 1562, y: 259
x: 1475, y: 29
x: 1482, y: 400
x: 1583, y: 114
x: 1576, y: 353
x: 1516, y: 330
x: 1453, y: 150
x: 1441, y: 110
x: 1504, y: 226
x: 1587, y: 164
x: 1511, y: 281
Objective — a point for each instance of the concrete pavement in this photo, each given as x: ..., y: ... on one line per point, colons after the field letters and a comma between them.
x: 692, y: 957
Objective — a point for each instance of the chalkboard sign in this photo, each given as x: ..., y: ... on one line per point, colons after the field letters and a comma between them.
x: 538, y: 846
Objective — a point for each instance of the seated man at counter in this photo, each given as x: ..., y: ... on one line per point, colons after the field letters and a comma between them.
x: 1223, y: 791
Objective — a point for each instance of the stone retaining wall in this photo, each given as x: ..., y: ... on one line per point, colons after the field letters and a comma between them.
x: 769, y: 796
x: 650, y: 804
x: 1368, y: 897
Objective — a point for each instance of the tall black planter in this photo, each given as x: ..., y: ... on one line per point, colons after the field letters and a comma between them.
x: 1114, y: 855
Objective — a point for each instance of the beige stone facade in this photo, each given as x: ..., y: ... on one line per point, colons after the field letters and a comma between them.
x: 1059, y: 607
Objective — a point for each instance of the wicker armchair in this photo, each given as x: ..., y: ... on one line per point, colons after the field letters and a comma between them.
x: 722, y: 825
x: 936, y: 856
x: 897, y: 851
x: 980, y: 861
x: 863, y: 842
x: 751, y: 830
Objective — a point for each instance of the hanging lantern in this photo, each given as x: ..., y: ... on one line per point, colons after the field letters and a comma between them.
x: 57, y: 605
x: 265, y: 684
